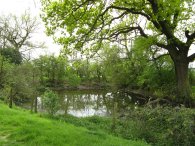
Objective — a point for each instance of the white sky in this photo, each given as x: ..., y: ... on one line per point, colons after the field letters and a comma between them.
x: 18, y: 7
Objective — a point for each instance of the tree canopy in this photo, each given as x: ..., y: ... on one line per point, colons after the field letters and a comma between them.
x: 85, y: 24
x: 83, y: 21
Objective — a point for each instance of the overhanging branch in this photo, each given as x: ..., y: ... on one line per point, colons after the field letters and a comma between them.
x: 158, y: 57
x: 162, y: 46
x: 190, y: 38
x: 127, y: 30
x: 118, y: 17
x: 191, y: 58
x: 129, y: 10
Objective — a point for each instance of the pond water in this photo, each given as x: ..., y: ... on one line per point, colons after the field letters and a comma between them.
x: 89, y: 103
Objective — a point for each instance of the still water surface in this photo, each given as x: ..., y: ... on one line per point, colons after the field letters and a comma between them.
x: 89, y: 102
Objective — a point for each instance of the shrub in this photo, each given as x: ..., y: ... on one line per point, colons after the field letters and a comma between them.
x: 161, y: 126
x: 164, y: 125
x: 51, y: 102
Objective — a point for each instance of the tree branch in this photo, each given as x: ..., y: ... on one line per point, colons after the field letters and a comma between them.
x: 191, y: 58
x: 190, y: 38
x: 129, y: 10
x: 82, y: 4
x: 142, y: 32
x: 158, y: 57
x: 120, y: 16
x: 154, y: 5
x: 175, y: 19
x: 162, y: 46
x: 128, y: 29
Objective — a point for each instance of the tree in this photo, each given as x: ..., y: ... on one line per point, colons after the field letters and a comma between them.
x: 117, y: 70
x: 169, y: 24
x: 13, y: 55
x: 15, y: 35
x: 52, y: 70
x: 21, y: 83
x: 5, y: 69
x: 153, y: 73
x: 51, y: 102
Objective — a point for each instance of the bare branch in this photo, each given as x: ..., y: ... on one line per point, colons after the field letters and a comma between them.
x: 17, y: 31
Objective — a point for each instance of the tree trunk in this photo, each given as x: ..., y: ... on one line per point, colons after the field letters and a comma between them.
x: 11, y: 99
x: 32, y: 105
x: 183, y: 86
x: 35, y: 104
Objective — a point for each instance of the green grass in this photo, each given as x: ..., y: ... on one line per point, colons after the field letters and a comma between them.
x: 20, y: 128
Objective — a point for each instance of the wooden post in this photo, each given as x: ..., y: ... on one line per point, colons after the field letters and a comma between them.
x: 114, y: 115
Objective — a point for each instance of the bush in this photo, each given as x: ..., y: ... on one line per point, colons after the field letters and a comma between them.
x: 164, y: 125
x: 50, y: 102
x: 161, y: 126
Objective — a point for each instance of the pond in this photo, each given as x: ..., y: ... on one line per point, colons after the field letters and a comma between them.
x: 83, y: 103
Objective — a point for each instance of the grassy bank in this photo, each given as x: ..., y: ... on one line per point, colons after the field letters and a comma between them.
x: 159, y: 126
x: 20, y: 128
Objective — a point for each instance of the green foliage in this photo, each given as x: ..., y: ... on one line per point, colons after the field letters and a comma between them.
x: 56, y: 72
x: 96, y: 23
x: 15, y: 75
x: 139, y: 68
x: 50, y: 102
x: 13, y: 55
x: 90, y: 20
x: 94, y: 123
x: 142, y: 44
x: 155, y: 70
x: 51, y: 70
x: 155, y: 78
x: 21, y: 83
x: 192, y: 76
x: 90, y: 72
x: 19, y: 128
x: 165, y: 125
x: 117, y: 70
x: 72, y: 78
x: 5, y: 69
x: 158, y: 126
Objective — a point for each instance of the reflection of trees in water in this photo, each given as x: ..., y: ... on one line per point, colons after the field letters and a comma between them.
x: 84, y: 101
x: 98, y: 102
x: 107, y: 103
x: 65, y: 104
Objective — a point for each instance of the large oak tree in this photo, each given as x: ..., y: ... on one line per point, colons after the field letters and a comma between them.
x: 169, y: 22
